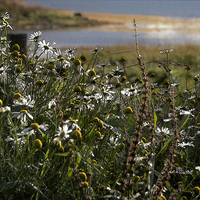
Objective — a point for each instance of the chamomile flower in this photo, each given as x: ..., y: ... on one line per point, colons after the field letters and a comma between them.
x: 22, y: 116
x: 25, y: 101
x: 34, y: 126
x: 184, y: 144
x: 5, y: 16
x: 106, y: 64
x: 71, y: 124
x: 197, y: 168
x: 4, y: 109
x: 70, y: 53
x: 16, y: 141
x: 34, y: 37
x: 63, y: 133
x: 117, y: 71
x: 4, y: 21
x: 45, y: 47
x: 162, y: 133
x: 95, y: 51
x: 189, y: 112
x: 130, y: 91
x: 166, y: 51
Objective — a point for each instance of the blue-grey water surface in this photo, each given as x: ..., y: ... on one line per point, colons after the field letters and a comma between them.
x: 174, y: 8
x: 84, y: 37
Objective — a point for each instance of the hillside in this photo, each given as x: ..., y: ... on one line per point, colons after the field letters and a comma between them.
x: 24, y: 16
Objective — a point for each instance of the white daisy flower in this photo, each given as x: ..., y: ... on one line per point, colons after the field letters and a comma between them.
x: 34, y: 37
x: 63, y: 133
x: 45, y: 47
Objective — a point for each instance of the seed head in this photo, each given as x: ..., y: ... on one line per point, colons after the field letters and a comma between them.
x: 152, y: 75
x: 39, y: 83
x: 128, y: 110
x: 15, y: 47
x: 76, y: 134
x: 77, y: 89
x: 95, y: 119
x: 163, y: 197
x: 56, y: 143
x: 23, y: 111
x: 98, y: 134
x: 17, y: 96
x: 83, y: 57
x: 73, y: 121
x: 154, y: 92
x: 85, y: 184
x: 100, y: 124
x: 23, y: 56
x: 1, y: 103
x: 34, y: 125
x: 38, y: 143
x: 110, y: 75
x: 15, y: 54
x: 82, y: 176
x: 166, y: 83
x: 92, y: 73
x: 123, y: 59
x: 188, y: 68
x: 196, y: 190
x: 77, y: 62
x: 123, y: 78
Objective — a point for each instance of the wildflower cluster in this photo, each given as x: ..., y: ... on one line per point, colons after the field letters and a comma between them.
x: 77, y: 128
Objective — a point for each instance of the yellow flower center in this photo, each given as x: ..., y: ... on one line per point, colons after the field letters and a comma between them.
x: 83, y: 176
x: 17, y: 95
x: 73, y: 121
x: 38, y: 143
x: 34, y: 125
x: 62, y: 135
x: 24, y: 111
x: 128, y: 110
x: 1, y: 103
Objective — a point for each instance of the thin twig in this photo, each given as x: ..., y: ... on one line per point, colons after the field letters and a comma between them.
x: 136, y: 38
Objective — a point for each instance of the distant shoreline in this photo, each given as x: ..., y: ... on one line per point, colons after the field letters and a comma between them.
x: 155, y: 28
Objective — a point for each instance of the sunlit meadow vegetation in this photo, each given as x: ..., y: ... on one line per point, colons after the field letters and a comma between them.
x: 72, y: 129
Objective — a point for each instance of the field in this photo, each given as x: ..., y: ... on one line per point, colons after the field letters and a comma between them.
x: 114, y: 123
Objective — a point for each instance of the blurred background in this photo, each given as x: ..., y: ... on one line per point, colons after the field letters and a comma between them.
x: 106, y: 22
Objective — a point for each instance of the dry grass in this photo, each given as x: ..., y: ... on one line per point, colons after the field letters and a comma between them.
x: 122, y: 22
x: 185, y: 54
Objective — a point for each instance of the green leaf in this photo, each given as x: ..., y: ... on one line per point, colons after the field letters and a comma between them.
x: 61, y: 154
x: 186, y: 117
x: 44, y: 165
x: 165, y: 147
x: 78, y: 159
x: 155, y: 119
x: 69, y: 172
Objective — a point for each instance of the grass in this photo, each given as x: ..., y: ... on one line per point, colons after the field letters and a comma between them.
x: 183, y: 54
x: 98, y: 125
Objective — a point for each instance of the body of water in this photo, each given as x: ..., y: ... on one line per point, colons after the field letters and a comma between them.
x: 172, y: 8
x: 72, y: 38
x: 84, y: 37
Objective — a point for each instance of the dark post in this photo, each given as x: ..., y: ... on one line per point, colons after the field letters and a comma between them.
x: 20, y: 39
